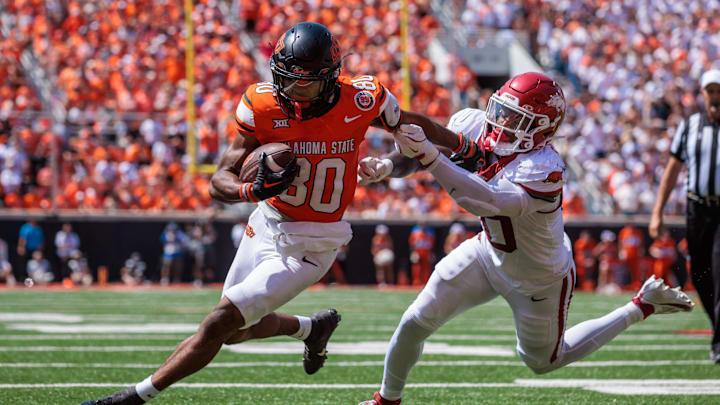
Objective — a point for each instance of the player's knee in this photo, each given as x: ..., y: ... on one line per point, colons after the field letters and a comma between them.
x: 222, y: 323
x: 412, y: 329
x: 536, y: 364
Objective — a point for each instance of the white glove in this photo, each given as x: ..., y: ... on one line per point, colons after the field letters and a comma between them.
x: 410, y: 140
x: 372, y: 170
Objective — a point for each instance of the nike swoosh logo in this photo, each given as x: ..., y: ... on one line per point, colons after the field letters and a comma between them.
x: 308, y: 261
x: 533, y: 299
x: 266, y: 184
x: 351, y: 119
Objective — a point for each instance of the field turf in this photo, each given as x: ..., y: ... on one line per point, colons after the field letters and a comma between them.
x: 67, y: 346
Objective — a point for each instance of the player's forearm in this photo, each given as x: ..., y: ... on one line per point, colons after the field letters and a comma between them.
x: 479, y: 197
x: 225, y: 187
x: 402, y: 166
x: 435, y: 132
x: 669, y: 179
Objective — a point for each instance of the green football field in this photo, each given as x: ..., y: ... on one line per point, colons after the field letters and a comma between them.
x: 63, y: 347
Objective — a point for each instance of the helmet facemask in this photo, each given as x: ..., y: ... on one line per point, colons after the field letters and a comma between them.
x: 303, y: 94
x: 510, y: 128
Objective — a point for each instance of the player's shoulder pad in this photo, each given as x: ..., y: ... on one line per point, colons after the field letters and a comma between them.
x: 542, y: 171
x: 367, y: 93
x: 468, y: 121
x: 257, y: 98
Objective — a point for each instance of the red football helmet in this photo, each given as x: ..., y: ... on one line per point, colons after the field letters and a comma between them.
x: 523, y: 115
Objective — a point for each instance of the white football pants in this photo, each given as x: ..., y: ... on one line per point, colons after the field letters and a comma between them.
x: 262, y: 279
x: 542, y: 341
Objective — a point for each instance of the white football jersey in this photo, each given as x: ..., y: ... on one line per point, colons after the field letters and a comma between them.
x: 530, y: 251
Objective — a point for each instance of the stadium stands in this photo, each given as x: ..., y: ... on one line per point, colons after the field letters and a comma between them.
x: 629, y: 69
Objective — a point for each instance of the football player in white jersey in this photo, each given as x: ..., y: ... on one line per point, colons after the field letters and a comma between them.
x: 523, y: 254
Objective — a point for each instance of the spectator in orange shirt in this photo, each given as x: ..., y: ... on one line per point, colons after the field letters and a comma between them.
x: 631, y: 242
x: 611, y: 271
x: 585, y: 261
x: 422, y: 241
x: 663, y: 252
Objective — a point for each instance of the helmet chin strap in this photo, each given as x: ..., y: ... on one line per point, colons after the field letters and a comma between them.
x: 298, y: 106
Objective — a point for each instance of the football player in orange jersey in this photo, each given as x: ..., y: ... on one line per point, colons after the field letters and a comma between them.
x: 292, y: 237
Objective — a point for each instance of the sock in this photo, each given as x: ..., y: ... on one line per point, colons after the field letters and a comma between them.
x: 647, y: 309
x: 305, y: 328
x: 404, y: 351
x: 146, y: 390
x: 586, y: 337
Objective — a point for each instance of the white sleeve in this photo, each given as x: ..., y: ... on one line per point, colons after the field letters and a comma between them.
x: 390, y: 111
x: 481, y: 198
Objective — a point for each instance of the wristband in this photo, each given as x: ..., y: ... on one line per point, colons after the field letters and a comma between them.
x: 246, y: 194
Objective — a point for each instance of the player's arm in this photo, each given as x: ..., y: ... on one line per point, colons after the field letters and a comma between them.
x: 470, y: 191
x: 225, y: 183
x: 669, y: 179
x: 226, y: 186
x: 484, y: 199
x: 372, y: 169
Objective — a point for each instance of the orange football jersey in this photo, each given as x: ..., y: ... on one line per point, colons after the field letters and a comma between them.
x: 326, y: 147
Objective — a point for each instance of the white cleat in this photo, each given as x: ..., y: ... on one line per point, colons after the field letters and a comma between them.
x: 656, y: 297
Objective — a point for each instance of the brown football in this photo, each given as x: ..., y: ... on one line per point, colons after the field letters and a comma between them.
x: 278, y: 155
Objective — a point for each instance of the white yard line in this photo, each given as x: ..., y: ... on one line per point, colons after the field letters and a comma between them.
x: 342, y: 338
x: 450, y: 363
x: 347, y: 348
x: 610, y: 386
x: 106, y: 328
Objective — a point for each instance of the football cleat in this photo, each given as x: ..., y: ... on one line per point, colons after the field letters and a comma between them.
x: 128, y: 396
x: 379, y: 400
x: 323, y: 325
x: 655, y: 297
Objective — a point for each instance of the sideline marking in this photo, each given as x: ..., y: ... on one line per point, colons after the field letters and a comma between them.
x: 620, y: 387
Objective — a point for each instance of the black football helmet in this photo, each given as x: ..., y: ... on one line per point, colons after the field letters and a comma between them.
x: 305, y: 66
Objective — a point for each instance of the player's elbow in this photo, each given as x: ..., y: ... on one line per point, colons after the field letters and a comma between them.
x: 216, y: 189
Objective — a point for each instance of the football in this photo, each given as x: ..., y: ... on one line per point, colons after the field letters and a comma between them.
x: 278, y: 155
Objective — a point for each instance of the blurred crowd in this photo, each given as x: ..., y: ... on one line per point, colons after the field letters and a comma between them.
x: 629, y: 69
x: 119, y: 67
x: 188, y: 253
x: 608, y: 261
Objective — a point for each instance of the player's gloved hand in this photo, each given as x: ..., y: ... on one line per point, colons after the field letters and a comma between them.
x: 410, y: 140
x: 372, y: 170
x: 467, y: 155
x: 268, y: 184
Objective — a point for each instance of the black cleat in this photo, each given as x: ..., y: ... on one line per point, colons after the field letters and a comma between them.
x: 323, y: 325
x: 128, y: 396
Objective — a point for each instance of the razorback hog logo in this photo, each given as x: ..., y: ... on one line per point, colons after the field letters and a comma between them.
x: 554, y: 177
